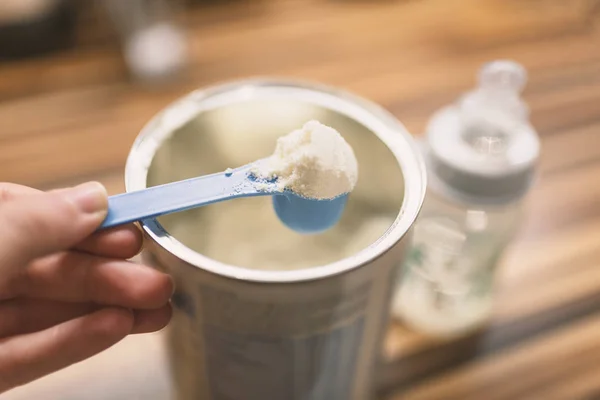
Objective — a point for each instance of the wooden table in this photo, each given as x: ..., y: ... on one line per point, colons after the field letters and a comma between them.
x: 72, y: 117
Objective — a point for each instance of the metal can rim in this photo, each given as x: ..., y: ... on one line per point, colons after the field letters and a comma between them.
x: 383, y: 124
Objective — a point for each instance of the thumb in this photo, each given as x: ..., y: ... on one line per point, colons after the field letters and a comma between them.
x: 44, y: 223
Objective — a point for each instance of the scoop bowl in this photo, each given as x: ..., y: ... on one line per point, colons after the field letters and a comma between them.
x: 308, y: 216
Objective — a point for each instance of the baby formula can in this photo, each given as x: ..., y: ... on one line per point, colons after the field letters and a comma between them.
x: 288, y: 333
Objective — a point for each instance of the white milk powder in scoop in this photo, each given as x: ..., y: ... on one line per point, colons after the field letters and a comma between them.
x: 314, y: 162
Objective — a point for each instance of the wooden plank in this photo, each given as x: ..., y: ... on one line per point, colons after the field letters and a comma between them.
x: 544, y: 364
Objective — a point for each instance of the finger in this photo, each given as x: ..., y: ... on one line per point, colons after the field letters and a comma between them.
x: 151, y: 320
x: 120, y: 242
x: 79, y: 277
x: 11, y: 191
x: 20, y: 316
x: 44, y: 223
x: 27, y: 357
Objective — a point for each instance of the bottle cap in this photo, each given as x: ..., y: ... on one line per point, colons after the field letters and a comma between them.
x: 483, y: 148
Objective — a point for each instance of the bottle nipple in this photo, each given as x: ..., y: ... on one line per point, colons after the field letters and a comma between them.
x: 503, y: 76
x: 491, y: 112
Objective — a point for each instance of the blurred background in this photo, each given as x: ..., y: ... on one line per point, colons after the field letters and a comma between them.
x: 78, y: 79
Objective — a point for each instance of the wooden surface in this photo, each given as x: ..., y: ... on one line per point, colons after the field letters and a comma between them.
x: 73, y: 116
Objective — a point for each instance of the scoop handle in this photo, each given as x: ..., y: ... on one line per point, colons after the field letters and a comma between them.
x: 179, y: 196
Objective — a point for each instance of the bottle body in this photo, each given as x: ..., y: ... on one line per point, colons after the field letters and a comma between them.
x: 446, y: 285
x: 481, y: 154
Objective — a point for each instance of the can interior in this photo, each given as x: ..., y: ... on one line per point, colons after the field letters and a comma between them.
x: 246, y: 232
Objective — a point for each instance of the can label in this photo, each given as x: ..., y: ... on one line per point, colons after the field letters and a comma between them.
x: 317, y: 367
x: 303, y: 349
x: 288, y: 316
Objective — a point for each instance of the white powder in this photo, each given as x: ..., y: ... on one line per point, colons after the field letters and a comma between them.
x: 314, y: 161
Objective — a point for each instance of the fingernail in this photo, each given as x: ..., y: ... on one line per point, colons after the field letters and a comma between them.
x: 90, y: 197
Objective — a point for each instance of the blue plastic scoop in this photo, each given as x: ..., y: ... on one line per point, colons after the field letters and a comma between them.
x: 303, y: 215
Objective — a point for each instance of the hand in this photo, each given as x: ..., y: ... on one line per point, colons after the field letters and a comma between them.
x: 67, y: 293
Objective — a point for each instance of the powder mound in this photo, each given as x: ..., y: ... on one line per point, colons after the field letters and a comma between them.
x: 314, y: 161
